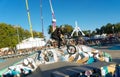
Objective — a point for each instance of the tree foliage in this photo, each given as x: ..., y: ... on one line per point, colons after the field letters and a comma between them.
x: 67, y: 29
x: 108, y: 29
x: 87, y: 33
x: 9, y: 35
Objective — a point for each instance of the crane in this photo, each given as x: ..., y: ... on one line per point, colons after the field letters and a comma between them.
x: 53, y: 16
x: 29, y: 20
x: 41, y: 17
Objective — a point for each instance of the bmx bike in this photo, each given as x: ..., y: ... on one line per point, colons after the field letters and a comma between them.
x: 71, y: 49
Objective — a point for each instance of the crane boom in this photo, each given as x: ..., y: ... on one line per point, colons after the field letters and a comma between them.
x: 41, y: 16
x: 29, y: 20
x: 53, y: 16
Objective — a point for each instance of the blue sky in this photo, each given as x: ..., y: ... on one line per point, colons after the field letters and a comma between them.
x: 90, y: 14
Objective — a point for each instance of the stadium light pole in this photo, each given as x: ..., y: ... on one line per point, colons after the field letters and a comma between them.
x: 41, y: 17
x: 17, y: 31
x: 18, y: 34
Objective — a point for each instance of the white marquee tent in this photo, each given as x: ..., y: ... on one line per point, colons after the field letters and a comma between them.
x: 31, y: 42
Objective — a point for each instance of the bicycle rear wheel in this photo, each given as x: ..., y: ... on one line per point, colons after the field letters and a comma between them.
x: 71, y: 49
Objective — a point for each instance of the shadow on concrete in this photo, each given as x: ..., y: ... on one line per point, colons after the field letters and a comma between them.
x: 116, y: 60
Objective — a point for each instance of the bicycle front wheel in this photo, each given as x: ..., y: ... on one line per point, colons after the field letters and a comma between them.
x: 46, y: 58
x: 71, y: 49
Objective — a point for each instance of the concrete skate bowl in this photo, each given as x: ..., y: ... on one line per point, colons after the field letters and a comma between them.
x: 115, y: 47
x: 65, y: 69
x: 46, y: 70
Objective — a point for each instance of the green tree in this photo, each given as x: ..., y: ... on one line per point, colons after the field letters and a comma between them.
x: 9, y: 35
x: 67, y: 29
x: 102, y: 29
x: 50, y: 29
x: 117, y: 27
x: 97, y: 31
x: 26, y: 34
x: 87, y: 33
x: 108, y: 28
